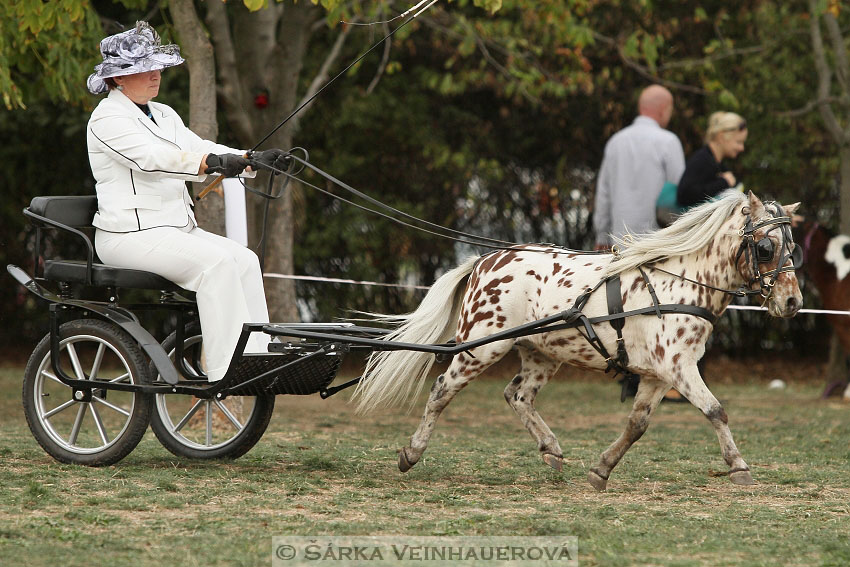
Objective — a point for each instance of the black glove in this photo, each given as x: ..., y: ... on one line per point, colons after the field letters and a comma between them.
x: 275, y: 158
x: 229, y: 165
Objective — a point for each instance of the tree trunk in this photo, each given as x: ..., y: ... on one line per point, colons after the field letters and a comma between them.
x: 288, y: 55
x: 260, y: 51
x: 198, y: 53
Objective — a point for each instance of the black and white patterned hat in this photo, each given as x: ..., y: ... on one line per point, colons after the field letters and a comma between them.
x: 134, y: 51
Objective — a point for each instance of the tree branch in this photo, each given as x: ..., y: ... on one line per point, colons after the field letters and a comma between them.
x: 686, y: 63
x: 839, y: 51
x: 643, y: 70
x: 385, y: 57
x: 322, y: 76
x: 824, y: 76
x: 482, y: 47
x: 225, y: 55
x: 491, y: 44
x: 809, y: 106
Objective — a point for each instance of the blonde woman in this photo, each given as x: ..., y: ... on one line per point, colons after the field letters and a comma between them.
x: 705, y: 173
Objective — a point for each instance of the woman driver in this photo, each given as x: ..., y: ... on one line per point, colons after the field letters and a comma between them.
x: 141, y: 155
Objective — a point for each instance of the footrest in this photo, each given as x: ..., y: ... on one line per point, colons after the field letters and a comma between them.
x: 296, y: 375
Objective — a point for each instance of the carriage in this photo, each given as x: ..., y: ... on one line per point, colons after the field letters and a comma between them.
x: 98, y: 378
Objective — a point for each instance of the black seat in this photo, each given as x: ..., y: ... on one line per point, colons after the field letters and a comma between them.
x: 74, y: 271
x: 70, y: 213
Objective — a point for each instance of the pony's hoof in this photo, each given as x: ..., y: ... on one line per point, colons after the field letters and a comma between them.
x: 404, y: 463
x: 742, y: 478
x: 553, y: 461
x: 597, y: 481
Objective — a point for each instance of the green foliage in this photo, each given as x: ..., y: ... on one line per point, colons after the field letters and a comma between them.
x: 46, y: 48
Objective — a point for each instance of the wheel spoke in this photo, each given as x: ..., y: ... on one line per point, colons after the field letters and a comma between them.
x: 75, y: 430
x: 75, y: 362
x: 99, y: 423
x: 120, y: 378
x: 188, y: 416
x: 98, y: 359
x: 52, y: 377
x: 57, y: 409
x: 209, y: 422
x: 229, y: 415
x: 113, y: 407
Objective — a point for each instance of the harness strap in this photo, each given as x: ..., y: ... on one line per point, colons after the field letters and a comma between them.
x: 651, y: 291
x: 615, y: 307
x: 678, y: 308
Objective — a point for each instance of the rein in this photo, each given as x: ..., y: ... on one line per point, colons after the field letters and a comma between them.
x: 459, y: 236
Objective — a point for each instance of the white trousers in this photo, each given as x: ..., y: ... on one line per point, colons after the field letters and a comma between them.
x: 225, y: 276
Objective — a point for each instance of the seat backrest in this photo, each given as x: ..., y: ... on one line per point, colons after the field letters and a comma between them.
x: 70, y: 210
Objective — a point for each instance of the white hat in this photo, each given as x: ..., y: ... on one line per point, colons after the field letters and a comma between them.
x: 134, y: 51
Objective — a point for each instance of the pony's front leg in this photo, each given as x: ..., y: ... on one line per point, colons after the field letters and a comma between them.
x: 649, y: 394
x: 693, y: 387
x: 459, y: 373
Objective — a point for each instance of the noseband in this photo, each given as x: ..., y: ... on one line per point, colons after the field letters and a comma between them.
x: 763, y: 251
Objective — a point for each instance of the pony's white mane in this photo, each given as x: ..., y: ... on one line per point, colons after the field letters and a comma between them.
x: 689, y: 233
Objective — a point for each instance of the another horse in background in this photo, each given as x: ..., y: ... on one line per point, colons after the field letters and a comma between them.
x: 827, y: 263
x: 733, y: 245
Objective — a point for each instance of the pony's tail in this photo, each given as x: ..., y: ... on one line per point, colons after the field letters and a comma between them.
x: 392, y: 376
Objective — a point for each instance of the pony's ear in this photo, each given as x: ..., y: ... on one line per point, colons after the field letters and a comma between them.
x: 791, y: 209
x: 756, y: 206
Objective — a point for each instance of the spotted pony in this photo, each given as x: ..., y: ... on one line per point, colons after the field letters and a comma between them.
x: 734, y: 245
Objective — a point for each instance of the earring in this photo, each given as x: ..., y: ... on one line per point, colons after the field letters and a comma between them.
x: 120, y: 87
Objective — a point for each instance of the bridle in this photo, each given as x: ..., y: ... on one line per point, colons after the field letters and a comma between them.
x: 763, y: 250
x: 759, y: 252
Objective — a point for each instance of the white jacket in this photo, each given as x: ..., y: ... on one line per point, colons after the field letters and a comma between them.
x: 141, y: 165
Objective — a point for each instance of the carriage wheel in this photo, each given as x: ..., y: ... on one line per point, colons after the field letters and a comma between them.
x: 105, y: 429
x: 207, y: 429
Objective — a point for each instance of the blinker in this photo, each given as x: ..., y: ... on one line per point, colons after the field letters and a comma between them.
x: 797, y: 256
x: 765, y: 250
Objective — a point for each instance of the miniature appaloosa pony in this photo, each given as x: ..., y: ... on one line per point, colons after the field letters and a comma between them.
x: 827, y: 262
x: 684, y: 275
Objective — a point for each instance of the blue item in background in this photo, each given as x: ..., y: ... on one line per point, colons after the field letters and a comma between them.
x: 666, y: 207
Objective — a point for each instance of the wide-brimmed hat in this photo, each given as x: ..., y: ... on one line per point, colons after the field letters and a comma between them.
x: 134, y: 51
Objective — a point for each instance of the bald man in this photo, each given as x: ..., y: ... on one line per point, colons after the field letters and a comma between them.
x: 638, y: 160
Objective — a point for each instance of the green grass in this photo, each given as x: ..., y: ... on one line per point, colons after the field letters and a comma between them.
x: 321, y: 469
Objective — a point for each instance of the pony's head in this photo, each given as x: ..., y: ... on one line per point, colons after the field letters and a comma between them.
x: 758, y: 248
x: 767, y: 256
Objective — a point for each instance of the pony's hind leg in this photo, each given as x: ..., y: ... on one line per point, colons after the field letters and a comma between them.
x: 700, y: 396
x: 649, y: 394
x: 520, y: 393
x: 460, y: 372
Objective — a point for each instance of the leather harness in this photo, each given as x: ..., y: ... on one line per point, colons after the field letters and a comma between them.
x: 617, y: 319
x: 617, y: 316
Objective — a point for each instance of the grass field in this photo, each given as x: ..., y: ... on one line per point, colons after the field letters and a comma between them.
x: 321, y: 469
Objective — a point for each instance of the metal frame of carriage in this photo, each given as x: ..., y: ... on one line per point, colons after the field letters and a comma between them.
x: 152, y: 376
